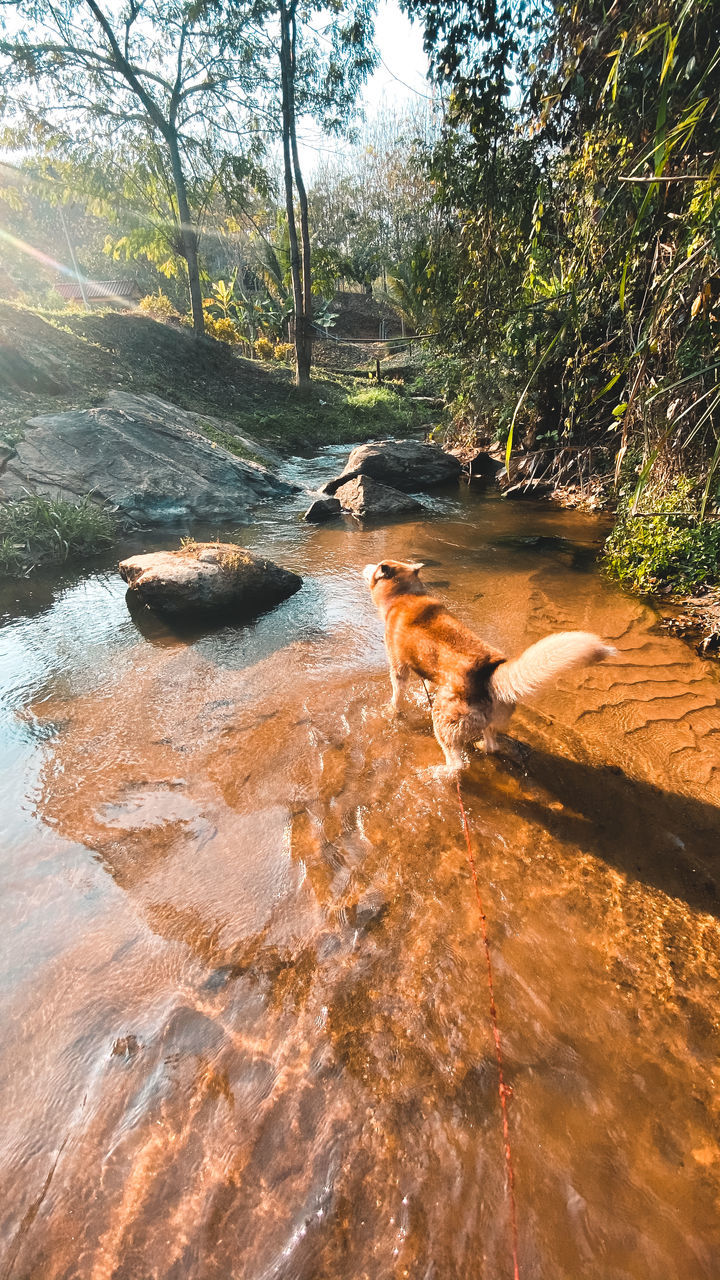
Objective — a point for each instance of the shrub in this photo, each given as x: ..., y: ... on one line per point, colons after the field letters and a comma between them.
x: 223, y: 328
x: 666, y: 544
x: 40, y: 530
x: 264, y: 348
x: 158, y: 305
x: 283, y: 351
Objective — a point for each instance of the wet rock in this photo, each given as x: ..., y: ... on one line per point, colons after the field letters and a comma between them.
x: 409, y: 465
x: 208, y: 577
x: 364, y: 497
x: 144, y: 457
x: 369, y: 910
x: 323, y: 509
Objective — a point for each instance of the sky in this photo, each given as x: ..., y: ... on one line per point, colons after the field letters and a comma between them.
x: 399, y: 80
x: 402, y: 73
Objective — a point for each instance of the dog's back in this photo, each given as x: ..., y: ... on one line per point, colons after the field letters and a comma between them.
x: 476, y: 687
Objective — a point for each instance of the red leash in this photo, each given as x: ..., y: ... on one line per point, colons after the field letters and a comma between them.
x: 504, y: 1090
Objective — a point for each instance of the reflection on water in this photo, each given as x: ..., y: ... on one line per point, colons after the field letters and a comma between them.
x: 243, y: 991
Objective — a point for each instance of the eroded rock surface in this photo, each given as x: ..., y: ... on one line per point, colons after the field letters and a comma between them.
x: 364, y: 496
x: 403, y: 464
x: 142, y: 456
x: 208, y: 577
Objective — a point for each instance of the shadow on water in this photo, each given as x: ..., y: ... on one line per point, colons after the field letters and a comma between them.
x: 666, y: 840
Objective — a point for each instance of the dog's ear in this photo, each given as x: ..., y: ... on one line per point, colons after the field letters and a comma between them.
x: 415, y: 568
x: 385, y: 571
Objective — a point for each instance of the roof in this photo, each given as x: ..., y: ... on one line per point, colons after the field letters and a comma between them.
x: 72, y: 290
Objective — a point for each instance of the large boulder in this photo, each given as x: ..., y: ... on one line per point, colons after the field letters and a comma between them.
x: 207, y: 577
x: 364, y: 497
x: 145, y: 458
x: 409, y: 465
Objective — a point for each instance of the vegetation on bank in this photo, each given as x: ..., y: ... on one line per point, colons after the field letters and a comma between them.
x: 665, y: 543
x: 90, y: 353
x: 558, y: 231
x: 36, y: 531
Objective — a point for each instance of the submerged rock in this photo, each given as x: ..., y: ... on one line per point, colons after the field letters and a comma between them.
x: 323, y: 509
x: 208, y: 577
x: 144, y: 457
x: 404, y: 464
x: 364, y: 496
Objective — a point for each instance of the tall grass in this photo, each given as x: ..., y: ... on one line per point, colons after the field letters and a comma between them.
x: 37, y: 530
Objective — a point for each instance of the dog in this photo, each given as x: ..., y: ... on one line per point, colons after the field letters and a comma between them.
x: 476, y: 688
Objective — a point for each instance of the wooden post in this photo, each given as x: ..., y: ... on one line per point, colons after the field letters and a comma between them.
x: 377, y: 370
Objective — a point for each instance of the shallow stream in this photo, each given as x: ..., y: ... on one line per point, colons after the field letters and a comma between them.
x: 243, y: 992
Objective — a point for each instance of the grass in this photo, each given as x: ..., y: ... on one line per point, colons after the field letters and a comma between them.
x: 39, y: 530
x: 334, y: 410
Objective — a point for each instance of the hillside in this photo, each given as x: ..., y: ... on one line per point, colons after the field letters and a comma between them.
x: 54, y: 360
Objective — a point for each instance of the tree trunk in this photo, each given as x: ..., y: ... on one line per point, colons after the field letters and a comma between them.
x: 188, y: 235
x: 302, y: 364
x: 304, y: 218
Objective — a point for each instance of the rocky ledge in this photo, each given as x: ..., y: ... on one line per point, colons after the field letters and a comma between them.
x: 144, y: 458
x: 207, y: 578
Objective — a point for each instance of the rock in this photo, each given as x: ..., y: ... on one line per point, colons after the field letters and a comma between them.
x: 125, y: 1047
x: 208, y: 577
x: 363, y: 496
x: 405, y: 464
x: 145, y: 458
x: 323, y: 509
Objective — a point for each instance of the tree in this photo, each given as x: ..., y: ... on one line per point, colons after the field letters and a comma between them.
x: 319, y: 75
x: 580, y: 186
x: 167, y: 69
x: 373, y: 206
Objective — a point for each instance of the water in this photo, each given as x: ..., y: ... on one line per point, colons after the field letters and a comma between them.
x: 244, y: 996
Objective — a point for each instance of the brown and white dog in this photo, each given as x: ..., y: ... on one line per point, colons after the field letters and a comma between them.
x: 475, y: 687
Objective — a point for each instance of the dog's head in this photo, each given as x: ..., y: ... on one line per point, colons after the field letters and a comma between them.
x: 393, y: 578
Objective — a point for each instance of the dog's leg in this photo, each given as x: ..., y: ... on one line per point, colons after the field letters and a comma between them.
x: 398, y: 679
x: 447, y: 735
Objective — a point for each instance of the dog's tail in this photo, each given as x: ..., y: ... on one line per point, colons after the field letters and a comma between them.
x: 539, y: 664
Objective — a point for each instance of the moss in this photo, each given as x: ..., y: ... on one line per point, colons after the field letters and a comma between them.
x: 44, y: 531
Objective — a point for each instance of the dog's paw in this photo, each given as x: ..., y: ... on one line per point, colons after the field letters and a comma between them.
x: 512, y: 749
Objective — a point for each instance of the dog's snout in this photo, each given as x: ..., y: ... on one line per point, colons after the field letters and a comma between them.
x: 368, y: 573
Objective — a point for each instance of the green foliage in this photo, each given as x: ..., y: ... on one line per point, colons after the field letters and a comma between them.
x: 665, y: 543
x: 40, y: 530
x: 222, y: 328
x: 335, y: 410
x: 264, y: 349
x: 576, y: 275
x: 228, y: 441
